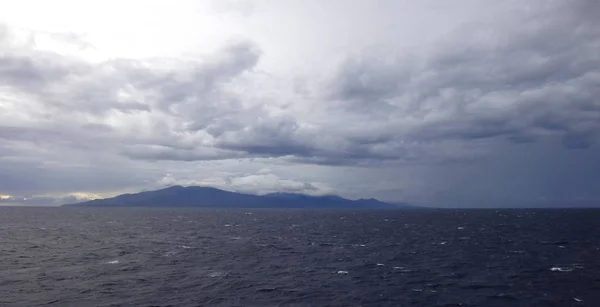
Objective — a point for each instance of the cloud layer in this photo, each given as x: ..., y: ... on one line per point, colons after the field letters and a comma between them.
x: 492, y: 112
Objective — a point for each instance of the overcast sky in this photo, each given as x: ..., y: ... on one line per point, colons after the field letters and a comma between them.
x: 438, y: 103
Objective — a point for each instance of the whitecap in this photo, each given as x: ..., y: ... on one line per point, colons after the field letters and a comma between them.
x: 342, y: 272
x: 561, y: 269
x: 185, y: 246
x: 216, y: 274
x: 112, y: 262
x: 578, y: 266
x: 577, y: 300
x: 460, y: 228
x: 380, y: 264
x: 402, y: 269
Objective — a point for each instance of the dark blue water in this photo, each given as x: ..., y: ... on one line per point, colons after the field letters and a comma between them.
x: 195, y: 257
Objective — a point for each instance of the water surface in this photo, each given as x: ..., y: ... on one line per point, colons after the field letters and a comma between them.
x: 203, y: 257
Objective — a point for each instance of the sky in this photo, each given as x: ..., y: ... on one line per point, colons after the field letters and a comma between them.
x: 462, y: 103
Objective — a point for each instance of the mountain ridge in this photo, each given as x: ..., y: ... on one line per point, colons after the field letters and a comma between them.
x: 209, y: 197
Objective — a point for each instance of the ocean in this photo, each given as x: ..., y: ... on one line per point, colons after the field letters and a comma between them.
x: 205, y: 257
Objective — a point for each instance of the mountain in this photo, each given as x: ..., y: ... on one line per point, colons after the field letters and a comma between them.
x: 205, y: 197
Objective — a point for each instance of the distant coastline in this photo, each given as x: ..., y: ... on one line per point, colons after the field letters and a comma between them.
x: 206, y: 197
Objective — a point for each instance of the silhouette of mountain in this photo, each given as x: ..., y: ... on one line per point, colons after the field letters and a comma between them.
x: 206, y: 197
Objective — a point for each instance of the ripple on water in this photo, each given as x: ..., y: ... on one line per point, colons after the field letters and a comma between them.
x: 85, y: 259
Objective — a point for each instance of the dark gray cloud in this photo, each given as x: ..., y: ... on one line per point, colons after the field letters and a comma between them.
x: 270, y: 136
x: 531, y: 80
x: 158, y: 152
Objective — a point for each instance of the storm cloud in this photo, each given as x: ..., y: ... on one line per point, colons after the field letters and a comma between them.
x: 474, y: 111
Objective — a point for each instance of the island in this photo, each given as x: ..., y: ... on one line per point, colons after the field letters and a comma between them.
x: 208, y: 197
